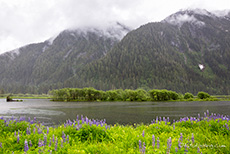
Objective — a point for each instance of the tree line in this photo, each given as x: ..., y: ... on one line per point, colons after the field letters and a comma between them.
x: 91, y: 94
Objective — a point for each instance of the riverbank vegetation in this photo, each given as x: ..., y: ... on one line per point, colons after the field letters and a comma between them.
x: 91, y: 94
x: 207, y: 134
x: 26, y: 96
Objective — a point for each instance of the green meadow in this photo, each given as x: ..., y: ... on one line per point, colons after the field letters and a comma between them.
x: 208, y: 134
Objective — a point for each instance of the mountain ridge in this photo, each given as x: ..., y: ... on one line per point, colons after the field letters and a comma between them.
x: 186, y: 52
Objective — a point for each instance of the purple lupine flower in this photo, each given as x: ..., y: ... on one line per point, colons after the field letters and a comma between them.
x: 27, y: 131
x: 226, y: 125
x: 153, y: 141
x: 50, y: 142
x: 63, y: 136
x: 40, y: 143
x: 26, y: 147
x: 18, y: 138
x: 53, y: 138
x: 192, y: 138
x: 181, y: 137
x: 28, y: 119
x: 143, y: 148
x: 143, y: 133
x: 45, y: 139
x: 179, y: 144
x: 67, y: 139
x: 30, y: 143
x: 140, y: 147
x: 173, y: 126
x: 15, y: 133
x: 47, y: 130
x: 61, y: 142
x: 158, y: 143
x: 198, y: 150
x: 185, y: 148
x: 0, y: 144
x: 35, y: 119
x: 169, y: 143
x: 176, y: 149
x: 56, y: 144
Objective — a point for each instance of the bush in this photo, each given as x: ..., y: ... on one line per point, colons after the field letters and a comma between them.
x: 188, y: 95
x: 203, y: 95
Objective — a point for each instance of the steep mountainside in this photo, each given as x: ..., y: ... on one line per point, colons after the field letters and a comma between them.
x: 188, y: 52
x: 43, y: 66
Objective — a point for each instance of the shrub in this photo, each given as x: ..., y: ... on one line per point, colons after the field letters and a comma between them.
x: 188, y: 95
x: 203, y: 95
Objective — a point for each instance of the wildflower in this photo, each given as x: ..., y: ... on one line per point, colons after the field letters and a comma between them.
x: 140, y: 144
x: 192, y: 138
x: 26, y: 147
x: 185, y: 148
x: 0, y: 144
x: 50, y: 142
x: 56, y: 144
x: 30, y: 143
x: 143, y: 133
x: 198, y: 150
x: 45, y: 139
x: 47, y: 130
x: 143, y: 148
x: 169, y: 143
x: 68, y: 139
x: 181, y: 137
x: 179, y: 144
x: 40, y: 143
x: 176, y: 149
x: 158, y: 143
x: 53, y: 138
x: 27, y: 131
x: 63, y: 136
x: 153, y: 139
x: 18, y: 138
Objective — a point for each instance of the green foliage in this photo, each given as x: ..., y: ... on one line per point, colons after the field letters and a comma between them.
x: 188, y: 95
x: 196, y: 136
x: 163, y: 95
x: 91, y: 94
x: 203, y: 95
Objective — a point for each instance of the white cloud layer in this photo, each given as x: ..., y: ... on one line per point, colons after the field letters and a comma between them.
x: 28, y: 21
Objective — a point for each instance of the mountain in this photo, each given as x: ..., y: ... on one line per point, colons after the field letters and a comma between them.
x: 186, y: 52
x: 36, y: 68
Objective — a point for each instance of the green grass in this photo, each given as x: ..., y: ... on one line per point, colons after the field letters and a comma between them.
x: 26, y: 96
x: 211, y: 135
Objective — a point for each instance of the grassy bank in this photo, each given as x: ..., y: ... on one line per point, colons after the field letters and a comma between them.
x: 208, y: 134
x: 26, y: 96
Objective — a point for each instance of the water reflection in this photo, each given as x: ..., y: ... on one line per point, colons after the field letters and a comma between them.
x: 53, y: 113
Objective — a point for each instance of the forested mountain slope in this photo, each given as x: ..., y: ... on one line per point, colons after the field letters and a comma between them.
x: 43, y: 66
x: 187, y: 52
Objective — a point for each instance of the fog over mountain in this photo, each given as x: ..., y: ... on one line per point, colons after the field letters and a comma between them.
x: 25, y: 22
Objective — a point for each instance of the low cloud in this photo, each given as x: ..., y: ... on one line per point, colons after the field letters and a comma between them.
x: 24, y: 21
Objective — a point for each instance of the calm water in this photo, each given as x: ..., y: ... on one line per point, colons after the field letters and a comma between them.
x: 54, y: 113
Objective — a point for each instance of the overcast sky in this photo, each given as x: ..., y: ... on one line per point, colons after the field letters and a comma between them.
x: 29, y: 21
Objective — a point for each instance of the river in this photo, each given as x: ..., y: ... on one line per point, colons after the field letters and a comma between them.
x: 55, y: 113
